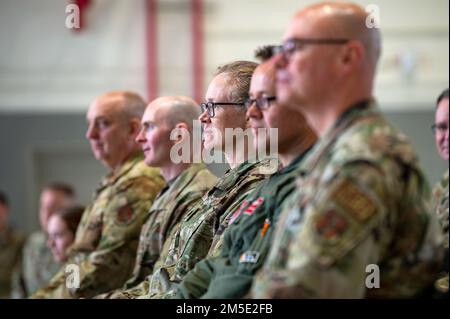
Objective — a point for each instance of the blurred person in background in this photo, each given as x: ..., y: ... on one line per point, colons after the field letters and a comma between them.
x: 37, y: 265
x: 11, y: 243
x: 61, y: 230
x: 440, y: 191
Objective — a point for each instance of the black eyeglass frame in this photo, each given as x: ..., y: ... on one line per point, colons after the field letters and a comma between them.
x: 249, y: 102
x: 294, y: 44
x: 211, y: 106
x: 436, y: 127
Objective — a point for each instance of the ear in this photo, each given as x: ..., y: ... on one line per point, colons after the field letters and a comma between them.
x: 134, y: 126
x: 352, y: 55
x: 181, y: 127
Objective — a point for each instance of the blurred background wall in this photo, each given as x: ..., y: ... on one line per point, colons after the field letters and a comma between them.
x: 49, y: 73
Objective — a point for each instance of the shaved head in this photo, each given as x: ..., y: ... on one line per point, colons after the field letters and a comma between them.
x: 176, y: 109
x: 126, y: 103
x: 347, y: 21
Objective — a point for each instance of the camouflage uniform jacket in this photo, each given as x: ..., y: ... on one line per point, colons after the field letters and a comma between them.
x: 191, y: 242
x: 37, y: 266
x: 362, y: 203
x: 11, y: 243
x: 440, y: 199
x: 106, y: 241
x: 246, y: 244
x: 172, y: 203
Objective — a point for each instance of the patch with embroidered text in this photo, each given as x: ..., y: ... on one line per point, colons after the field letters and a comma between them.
x: 353, y: 200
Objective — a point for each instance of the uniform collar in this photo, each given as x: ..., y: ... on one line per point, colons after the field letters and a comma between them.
x: 362, y: 109
x: 112, y: 178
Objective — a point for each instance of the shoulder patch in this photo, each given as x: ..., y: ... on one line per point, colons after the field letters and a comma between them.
x: 354, y: 201
x: 125, y: 214
x: 331, y: 226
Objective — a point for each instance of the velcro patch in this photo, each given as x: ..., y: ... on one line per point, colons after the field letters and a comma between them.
x: 249, y: 257
x: 125, y: 214
x: 255, y: 204
x: 353, y: 200
x: 331, y: 226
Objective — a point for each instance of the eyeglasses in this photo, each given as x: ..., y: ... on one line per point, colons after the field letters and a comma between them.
x: 439, y: 128
x: 290, y: 46
x: 211, y: 106
x: 261, y: 103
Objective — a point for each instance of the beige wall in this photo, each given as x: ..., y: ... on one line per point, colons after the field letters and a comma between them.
x: 46, y: 67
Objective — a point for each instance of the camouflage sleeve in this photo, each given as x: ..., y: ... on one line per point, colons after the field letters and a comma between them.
x: 323, y: 251
x: 110, y: 264
x: 143, y: 288
x: 205, y: 243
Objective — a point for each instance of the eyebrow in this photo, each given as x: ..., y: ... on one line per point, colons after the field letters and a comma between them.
x: 147, y: 123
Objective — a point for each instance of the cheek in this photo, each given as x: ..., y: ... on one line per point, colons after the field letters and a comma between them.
x: 64, y: 243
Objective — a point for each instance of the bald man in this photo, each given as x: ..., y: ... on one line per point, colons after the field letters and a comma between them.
x: 359, y: 224
x: 186, y: 182
x: 102, y: 257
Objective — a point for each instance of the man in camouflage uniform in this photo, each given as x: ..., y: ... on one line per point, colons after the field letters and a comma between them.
x: 440, y: 191
x: 207, y: 221
x: 359, y: 224
x: 249, y: 236
x: 37, y: 265
x: 186, y: 182
x: 105, y: 244
x: 10, y: 247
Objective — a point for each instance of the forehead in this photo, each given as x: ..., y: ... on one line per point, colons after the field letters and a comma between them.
x: 263, y: 80
x: 442, y: 110
x: 55, y: 222
x: 305, y: 25
x: 104, y: 107
x: 218, y: 88
x: 155, y: 112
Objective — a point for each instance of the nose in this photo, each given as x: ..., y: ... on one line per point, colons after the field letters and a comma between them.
x: 254, y: 112
x: 140, y: 138
x: 204, y: 117
x: 91, y: 133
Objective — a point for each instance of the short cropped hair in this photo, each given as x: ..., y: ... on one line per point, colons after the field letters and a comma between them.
x: 64, y: 188
x: 239, y: 74
x: 443, y: 95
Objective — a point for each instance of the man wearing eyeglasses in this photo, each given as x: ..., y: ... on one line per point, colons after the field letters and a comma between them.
x: 440, y: 191
x: 358, y: 224
x: 249, y: 236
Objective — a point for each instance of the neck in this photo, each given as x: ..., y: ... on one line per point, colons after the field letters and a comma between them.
x: 171, y: 171
x: 115, y: 167
x: 298, y: 147
x: 323, y: 116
